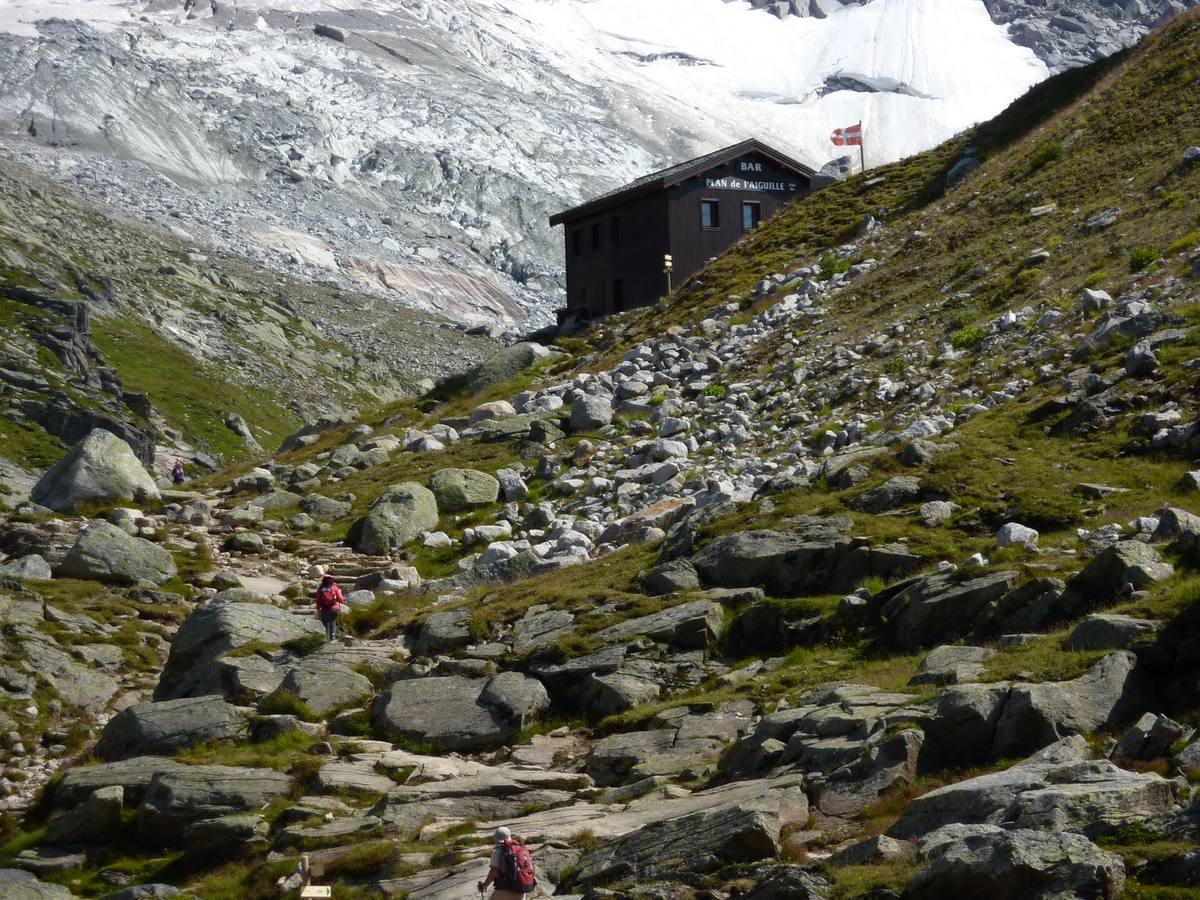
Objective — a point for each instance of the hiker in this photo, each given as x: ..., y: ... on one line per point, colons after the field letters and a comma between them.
x: 177, y: 472
x: 510, y: 869
x: 329, y: 600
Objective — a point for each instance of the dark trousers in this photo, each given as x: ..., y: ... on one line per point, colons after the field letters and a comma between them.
x: 329, y: 620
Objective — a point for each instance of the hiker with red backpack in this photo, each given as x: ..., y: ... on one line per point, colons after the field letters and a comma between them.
x: 330, y: 603
x: 511, y: 868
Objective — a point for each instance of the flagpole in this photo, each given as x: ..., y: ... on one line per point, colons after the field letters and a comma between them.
x: 862, y: 147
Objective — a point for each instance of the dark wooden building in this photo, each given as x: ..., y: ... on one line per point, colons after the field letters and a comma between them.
x: 616, y: 243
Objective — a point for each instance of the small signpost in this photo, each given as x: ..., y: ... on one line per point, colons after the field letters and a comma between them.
x: 314, y: 890
x: 668, y: 268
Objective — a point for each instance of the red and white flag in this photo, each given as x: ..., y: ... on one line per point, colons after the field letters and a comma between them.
x: 848, y: 137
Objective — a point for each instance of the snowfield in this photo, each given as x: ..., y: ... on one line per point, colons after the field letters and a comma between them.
x: 418, y: 145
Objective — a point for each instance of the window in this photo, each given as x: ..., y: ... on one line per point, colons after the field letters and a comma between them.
x: 618, y: 295
x: 596, y: 236
x: 576, y: 242
x: 710, y: 214
x: 751, y: 214
x: 614, y: 231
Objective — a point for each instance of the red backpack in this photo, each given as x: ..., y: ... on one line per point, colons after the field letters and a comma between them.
x: 516, y: 868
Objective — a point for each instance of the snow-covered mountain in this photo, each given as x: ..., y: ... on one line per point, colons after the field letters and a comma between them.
x: 417, y: 146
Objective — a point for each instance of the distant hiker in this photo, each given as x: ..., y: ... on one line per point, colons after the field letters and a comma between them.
x: 329, y: 603
x: 177, y: 472
x: 511, y: 868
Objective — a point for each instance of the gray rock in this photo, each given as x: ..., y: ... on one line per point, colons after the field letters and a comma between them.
x: 325, y: 509
x: 18, y: 884
x: 1103, y: 219
x: 817, y: 557
x: 187, y: 794
x: 1110, y: 631
x: 539, y: 627
x: 396, y: 517
x: 872, y: 851
x: 521, y: 698
x: 133, y: 776
x: 28, y: 568
x: 1125, y: 562
x: 194, y: 667
x: 671, y: 577
x: 94, y: 821
x: 449, y: 713
x: 101, y: 468
x: 789, y: 882
x: 144, y: 892
x: 1036, y: 715
x: 951, y: 664
x: 104, y: 552
x: 1017, y: 865
x: 591, y: 412
x: 699, y: 843
x: 168, y: 727
x: 695, y: 625
x: 1014, y: 534
x: 223, y: 838
x: 506, y: 365
x: 457, y: 490
x: 443, y: 632
x: 326, y: 685
x: 1150, y: 737
x: 246, y: 542
x: 940, y: 608
x: 1141, y: 361
x: 893, y: 493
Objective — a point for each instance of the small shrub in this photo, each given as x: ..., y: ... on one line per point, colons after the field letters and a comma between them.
x: 715, y: 390
x: 967, y: 338
x: 1044, y: 155
x: 831, y: 265
x: 287, y: 703
x: 1142, y: 257
x: 305, y: 644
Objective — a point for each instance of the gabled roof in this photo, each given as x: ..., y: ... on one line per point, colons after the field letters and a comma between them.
x: 673, y: 175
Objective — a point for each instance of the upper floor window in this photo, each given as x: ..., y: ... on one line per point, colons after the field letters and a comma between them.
x: 596, y: 236
x: 710, y: 214
x: 576, y: 242
x: 614, y: 230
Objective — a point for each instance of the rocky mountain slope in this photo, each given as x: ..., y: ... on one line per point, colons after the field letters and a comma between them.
x: 862, y: 567
x: 181, y: 349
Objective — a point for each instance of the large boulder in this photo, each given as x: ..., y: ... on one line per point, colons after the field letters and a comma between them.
x: 224, y: 837
x: 690, y: 626
x: 168, y: 727
x: 104, y: 552
x: 443, y: 632
x: 590, y: 412
x: 325, y: 685
x: 94, y: 821
x: 1018, y: 865
x: 454, y: 713
x: 506, y: 365
x: 699, y: 843
x: 101, y: 468
x: 194, y: 668
x: 1110, y: 631
x: 396, y: 517
x: 133, y: 776
x: 940, y: 608
x: 1123, y: 563
x: 17, y: 884
x: 1036, y: 715
x: 460, y: 489
x: 816, y: 557
x: 895, y: 492
x: 187, y: 794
